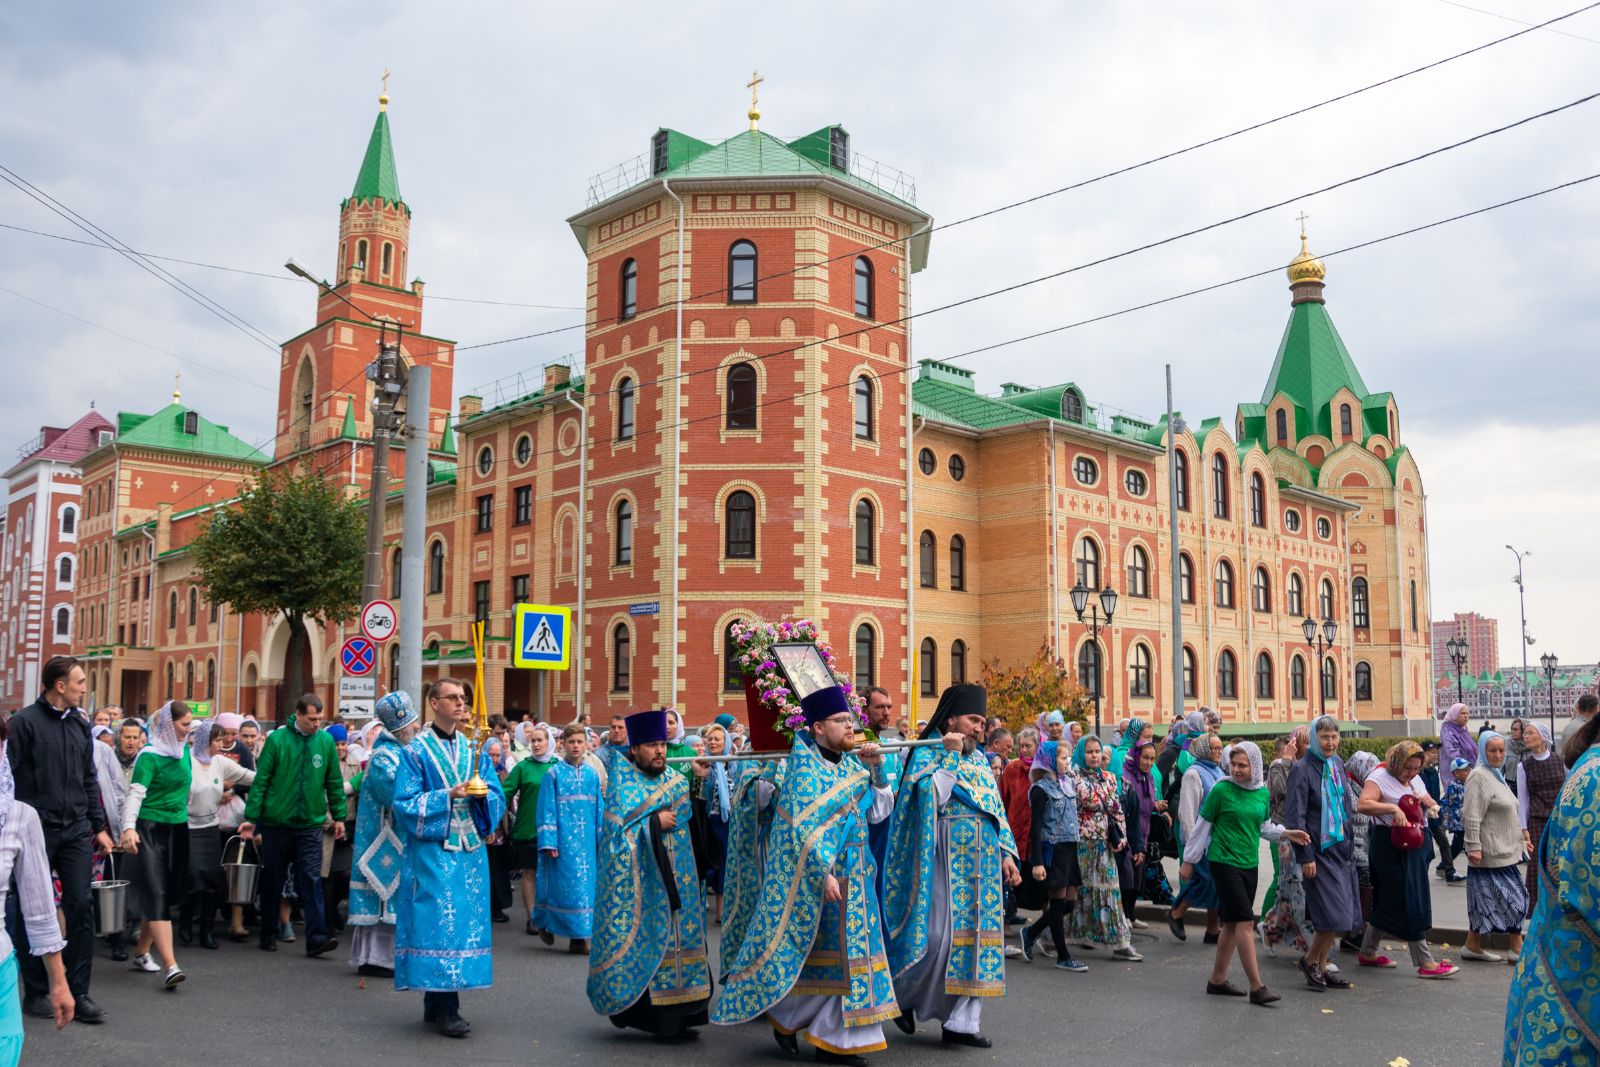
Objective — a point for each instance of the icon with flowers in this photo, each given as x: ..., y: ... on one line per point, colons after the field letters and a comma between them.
x: 765, y: 677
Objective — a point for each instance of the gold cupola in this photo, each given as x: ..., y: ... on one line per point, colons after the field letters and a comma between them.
x: 1306, y: 272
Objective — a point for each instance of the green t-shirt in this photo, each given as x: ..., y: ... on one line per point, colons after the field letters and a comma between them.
x: 1235, y: 815
x: 523, y: 783
x: 166, y: 783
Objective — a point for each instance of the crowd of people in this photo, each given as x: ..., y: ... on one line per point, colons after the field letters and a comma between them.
x: 828, y: 869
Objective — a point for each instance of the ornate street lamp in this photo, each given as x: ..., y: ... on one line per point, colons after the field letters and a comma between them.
x: 1108, y: 605
x: 1320, y: 643
x: 1547, y: 663
x: 1457, y: 648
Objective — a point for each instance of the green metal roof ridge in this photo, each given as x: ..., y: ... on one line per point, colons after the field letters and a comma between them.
x: 378, y: 179
x: 164, y: 430
x: 1312, y: 365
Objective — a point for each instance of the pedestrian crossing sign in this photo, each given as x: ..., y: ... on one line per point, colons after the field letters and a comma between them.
x: 540, y: 637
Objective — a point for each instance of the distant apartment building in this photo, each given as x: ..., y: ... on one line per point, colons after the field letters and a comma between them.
x: 1482, y: 636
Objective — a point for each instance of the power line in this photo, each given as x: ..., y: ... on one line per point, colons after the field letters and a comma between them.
x: 1520, y: 22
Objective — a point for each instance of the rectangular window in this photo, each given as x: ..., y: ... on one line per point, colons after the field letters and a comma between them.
x: 519, y: 589
x: 522, y: 502
x: 485, y: 519
x: 480, y: 600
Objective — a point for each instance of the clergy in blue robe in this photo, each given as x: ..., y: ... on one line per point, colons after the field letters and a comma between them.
x: 946, y: 934
x: 750, y: 814
x: 379, y: 853
x: 880, y: 720
x: 1553, y: 1011
x: 647, y: 959
x: 569, y: 832
x: 442, y: 931
x: 813, y: 958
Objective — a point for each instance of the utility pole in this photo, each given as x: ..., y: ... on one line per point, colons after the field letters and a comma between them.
x: 414, y: 511
x: 1174, y: 427
x: 387, y: 373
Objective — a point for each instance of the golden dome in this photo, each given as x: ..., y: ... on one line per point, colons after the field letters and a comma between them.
x: 1306, y: 267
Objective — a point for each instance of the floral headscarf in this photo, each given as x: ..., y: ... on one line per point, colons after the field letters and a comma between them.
x: 163, y: 735
x: 1334, y: 786
x: 1209, y: 769
x: 1250, y: 749
x: 1359, y: 765
x: 200, y: 741
x: 1046, y: 757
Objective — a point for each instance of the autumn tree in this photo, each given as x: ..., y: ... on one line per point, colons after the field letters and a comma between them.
x: 1020, y: 694
x: 294, y: 545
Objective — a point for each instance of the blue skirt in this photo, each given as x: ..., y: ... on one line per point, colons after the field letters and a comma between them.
x: 1199, y: 891
x: 1496, y: 900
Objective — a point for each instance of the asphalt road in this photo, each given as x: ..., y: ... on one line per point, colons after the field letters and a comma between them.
x: 243, y: 1007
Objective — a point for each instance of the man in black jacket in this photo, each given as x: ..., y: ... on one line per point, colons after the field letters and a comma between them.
x: 53, y: 763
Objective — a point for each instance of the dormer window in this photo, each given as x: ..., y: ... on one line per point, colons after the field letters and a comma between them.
x: 838, y: 148
x: 191, y: 423
x: 658, y: 154
x: 1071, y: 406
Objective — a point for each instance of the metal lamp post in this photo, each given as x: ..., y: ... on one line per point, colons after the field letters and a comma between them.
x: 1108, y: 605
x: 1547, y: 663
x: 1320, y: 642
x: 1457, y: 648
x: 1522, y: 608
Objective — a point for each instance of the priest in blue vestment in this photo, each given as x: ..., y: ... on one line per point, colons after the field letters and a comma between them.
x: 750, y: 813
x: 569, y: 832
x: 442, y: 931
x: 946, y: 934
x: 812, y: 960
x: 379, y: 852
x: 647, y: 959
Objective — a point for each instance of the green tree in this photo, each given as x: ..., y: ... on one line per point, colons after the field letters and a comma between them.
x: 1020, y: 694
x: 293, y: 545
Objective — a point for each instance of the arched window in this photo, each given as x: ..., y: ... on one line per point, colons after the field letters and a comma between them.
x: 172, y: 609
x: 1189, y: 673
x: 1360, y: 613
x: 742, y: 273
x: 1346, y: 424
x: 395, y: 573
x: 1139, y: 672
x: 741, y: 397
x: 732, y: 672
x: 1283, y: 427
x: 958, y: 662
x: 926, y: 549
x: 1185, y: 578
x: 169, y: 679
x: 1088, y: 565
x: 1089, y: 668
x: 64, y: 571
x: 866, y: 658
x: 958, y: 562
x: 1325, y: 599
x: 1227, y: 675
x: 1223, y: 583
x: 625, y: 410
x: 1219, y: 486
x: 864, y: 287
x: 739, y: 518
x: 1258, y: 500
x: 1264, y: 676
x: 866, y: 533
x: 1297, y: 678
x: 436, y: 567
x: 63, y: 622
x: 1138, y: 572
x: 1071, y: 406
x: 1180, y: 462
x: 623, y: 533
x: 361, y: 261
x: 621, y: 664
x: 928, y: 668
x: 188, y: 680
x: 211, y: 679
x: 1413, y: 605
x: 1297, y: 597
x: 69, y: 521
x: 864, y: 408
x: 394, y: 665
x: 194, y: 605
x: 1330, y: 679
x: 1261, y: 591
x: 630, y: 290
x: 1363, y: 680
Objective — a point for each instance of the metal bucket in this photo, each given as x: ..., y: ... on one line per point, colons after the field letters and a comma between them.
x: 242, y: 877
x: 110, y: 901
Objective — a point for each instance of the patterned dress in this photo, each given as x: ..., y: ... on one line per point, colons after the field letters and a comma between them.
x: 1098, y: 916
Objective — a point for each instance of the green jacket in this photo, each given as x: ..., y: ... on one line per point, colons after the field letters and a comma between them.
x: 297, y: 781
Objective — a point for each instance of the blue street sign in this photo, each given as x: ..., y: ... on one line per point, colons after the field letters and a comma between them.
x: 652, y: 607
x: 540, y: 637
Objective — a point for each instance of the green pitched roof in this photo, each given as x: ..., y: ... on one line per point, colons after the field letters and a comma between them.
x: 753, y: 154
x: 946, y: 393
x: 933, y: 399
x: 165, y: 430
x: 378, y: 179
x: 1312, y: 366
x: 447, y: 437
x: 348, y: 432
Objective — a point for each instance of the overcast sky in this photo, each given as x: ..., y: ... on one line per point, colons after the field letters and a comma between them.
x: 228, y: 134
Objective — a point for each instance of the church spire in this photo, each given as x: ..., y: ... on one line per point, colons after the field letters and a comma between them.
x: 378, y: 179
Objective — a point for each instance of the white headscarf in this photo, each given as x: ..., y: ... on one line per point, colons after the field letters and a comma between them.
x: 550, y: 749
x: 1249, y: 749
x: 200, y: 741
x: 1543, y: 730
x: 163, y: 735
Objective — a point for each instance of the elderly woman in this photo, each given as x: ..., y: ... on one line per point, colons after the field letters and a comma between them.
x: 1198, y: 890
x: 155, y: 831
x: 1515, y: 750
x: 1015, y: 794
x: 1492, y: 831
x: 1454, y: 737
x: 1285, y: 904
x: 1356, y: 768
x: 1320, y: 800
x: 209, y: 780
x: 1540, y: 776
x: 714, y: 790
x: 1402, y: 906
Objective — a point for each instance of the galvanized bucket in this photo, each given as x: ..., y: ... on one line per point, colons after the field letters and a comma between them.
x: 242, y: 877
x: 110, y: 901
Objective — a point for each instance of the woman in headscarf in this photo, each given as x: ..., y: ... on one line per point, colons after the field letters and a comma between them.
x: 522, y: 794
x: 1540, y: 776
x: 1356, y: 768
x: 714, y: 787
x: 1320, y: 801
x: 1235, y: 816
x: 1099, y: 918
x: 1284, y: 909
x: 1402, y: 906
x: 1454, y: 737
x: 209, y: 778
x: 155, y: 832
x: 1137, y: 733
x: 1142, y: 807
x: 1015, y: 793
x: 1198, y: 891
x: 1515, y: 749
x: 1497, y: 899
x: 1054, y: 726
x: 1053, y: 849
x: 25, y: 865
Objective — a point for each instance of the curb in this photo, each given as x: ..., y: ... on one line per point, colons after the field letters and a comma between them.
x: 1451, y: 936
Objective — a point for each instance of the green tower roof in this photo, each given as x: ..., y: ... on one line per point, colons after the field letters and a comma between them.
x: 348, y: 431
x: 1312, y: 366
x: 447, y: 438
x: 378, y: 179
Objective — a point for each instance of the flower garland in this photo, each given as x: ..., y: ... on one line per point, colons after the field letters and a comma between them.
x: 752, y: 645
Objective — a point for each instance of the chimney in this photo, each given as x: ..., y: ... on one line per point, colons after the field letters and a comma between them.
x: 163, y: 528
x: 470, y: 405
x: 556, y: 375
x: 416, y: 286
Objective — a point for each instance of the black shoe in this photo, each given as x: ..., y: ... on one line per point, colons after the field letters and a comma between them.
x: 317, y: 948
x: 39, y: 1007
x: 532, y: 930
x: 1211, y: 939
x: 268, y: 946
x: 372, y: 970
x: 1314, y: 977
x: 952, y: 1037
x: 1334, y: 981
x: 87, y: 1011
x: 824, y: 1056
x: 1175, y: 924
x: 119, y: 954
x: 499, y: 917
x: 1263, y: 996
x: 788, y: 1042
x: 238, y: 936
x: 1224, y: 988
x: 207, y: 939
x: 185, y: 934
x: 906, y: 1021
x: 451, y: 1024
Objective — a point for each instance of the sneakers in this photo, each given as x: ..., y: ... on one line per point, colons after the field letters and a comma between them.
x: 1270, y: 946
x: 1375, y: 961
x: 1071, y: 964
x: 174, y: 976
x: 1128, y: 953
x: 1026, y: 951
x: 146, y: 964
x: 1012, y: 952
x: 1138, y: 924
x: 1482, y: 957
x: 286, y: 931
x: 1442, y: 969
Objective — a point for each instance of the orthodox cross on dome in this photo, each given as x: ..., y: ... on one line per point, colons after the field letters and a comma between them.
x: 177, y: 380
x: 1301, y: 218
x: 754, y: 85
x: 383, y: 96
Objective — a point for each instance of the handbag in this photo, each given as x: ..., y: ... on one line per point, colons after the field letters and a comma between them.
x: 1410, y: 837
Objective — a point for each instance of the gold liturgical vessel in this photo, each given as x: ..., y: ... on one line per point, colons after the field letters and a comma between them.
x: 476, y: 786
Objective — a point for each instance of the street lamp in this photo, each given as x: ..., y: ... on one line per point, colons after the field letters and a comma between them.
x: 1108, y: 604
x: 1457, y: 648
x: 1320, y: 643
x: 1522, y: 607
x: 1547, y: 663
